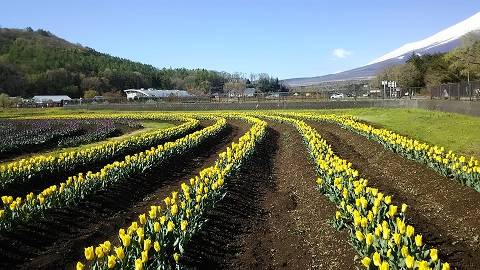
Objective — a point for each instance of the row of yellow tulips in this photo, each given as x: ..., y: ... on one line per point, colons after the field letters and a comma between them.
x: 158, y: 238
x: 464, y: 170
x: 377, y: 227
x: 26, y: 169
x: 77, y: 187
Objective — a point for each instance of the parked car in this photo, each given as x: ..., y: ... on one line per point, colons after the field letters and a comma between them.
x: 337, y: 95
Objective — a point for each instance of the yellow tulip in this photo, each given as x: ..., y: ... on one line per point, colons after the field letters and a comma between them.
x: 156, y: 226
x: 167, y: 201
x: 142, y: 219
x: 176, y: 257
x: 140, y: 234
x: 174, y: 209
x: 111, y: 261
x: 99, y: 252
x: 138, y: 264
x: 183, y: 225
x: 410, y: 231
x: 366, y: 261
x: 418, y: 240
x: 106, y: 246
x: 404, y: 208
x: 434, y: 254
x: 156, y: 246
x: 409, y: 262
x: 80, y: 266
x: 397, y: 238
x: 359, y: 236
x: 369, y: 239
x: 377, y: 261
x: 384, y: 266
x: 126, y: 240
x: 388, y: 199
x: 423, y: 265
x: 386, y: 233
x: 446, y: 266
x: 89, y: 253
x: 170, y: 226
x: 405, y: 251
x: 120, y: 253
x: 144, y: 256
x: 147, y: 244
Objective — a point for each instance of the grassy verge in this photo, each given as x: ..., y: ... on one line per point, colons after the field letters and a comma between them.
x: 456, y: 132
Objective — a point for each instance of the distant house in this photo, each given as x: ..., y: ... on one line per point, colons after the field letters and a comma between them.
x: 249, y: 92
x: 139, y: 94
x: 50, y: 101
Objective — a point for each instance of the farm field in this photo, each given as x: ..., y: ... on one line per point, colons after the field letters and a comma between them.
x: 275, y: 203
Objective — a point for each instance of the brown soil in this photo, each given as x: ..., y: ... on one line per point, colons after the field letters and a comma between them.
x: 271, y: 218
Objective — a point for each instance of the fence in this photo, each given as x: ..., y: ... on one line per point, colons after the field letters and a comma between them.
x: 457, y: 91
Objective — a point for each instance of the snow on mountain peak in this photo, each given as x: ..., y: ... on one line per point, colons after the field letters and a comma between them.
x: 451, y: 33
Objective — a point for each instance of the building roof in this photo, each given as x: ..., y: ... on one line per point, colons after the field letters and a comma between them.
x: 159, y: 93
x: 54, y: 98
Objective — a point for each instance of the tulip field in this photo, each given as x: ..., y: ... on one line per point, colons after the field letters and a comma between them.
x: 232, y: 190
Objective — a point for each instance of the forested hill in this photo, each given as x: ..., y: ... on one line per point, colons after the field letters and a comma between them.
x: 40, y: 63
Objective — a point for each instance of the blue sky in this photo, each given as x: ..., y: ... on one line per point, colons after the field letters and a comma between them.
x: 286, y: 39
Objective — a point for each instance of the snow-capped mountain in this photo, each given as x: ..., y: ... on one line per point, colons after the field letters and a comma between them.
x: 441, y: 42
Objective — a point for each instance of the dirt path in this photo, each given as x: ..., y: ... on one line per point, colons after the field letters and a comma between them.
x: 444, y: 212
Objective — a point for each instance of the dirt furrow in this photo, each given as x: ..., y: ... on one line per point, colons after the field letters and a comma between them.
x: 444, y: 212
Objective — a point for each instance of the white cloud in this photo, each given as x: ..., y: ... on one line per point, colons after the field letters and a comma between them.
x: 341, y: 53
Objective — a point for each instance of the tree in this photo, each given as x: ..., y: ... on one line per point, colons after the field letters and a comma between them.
x: 88, y: 94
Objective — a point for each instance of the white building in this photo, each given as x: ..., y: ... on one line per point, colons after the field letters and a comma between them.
x: 135, y: 94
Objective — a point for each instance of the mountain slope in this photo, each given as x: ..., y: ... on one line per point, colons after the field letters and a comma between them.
x: 441, y: 42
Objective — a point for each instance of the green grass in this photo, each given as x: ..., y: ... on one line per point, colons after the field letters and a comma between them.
x: 456, y: 132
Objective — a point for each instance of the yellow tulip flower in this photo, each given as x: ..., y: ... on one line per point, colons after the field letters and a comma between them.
x: 111, y: 261
x: 99, y: 252
x: 434, y: 254
x: 147, y: 244
x: 89, y: 253
x: 410, y: 261
x: 120, y: 253
x: 126, y: 240
x: 384, y: 266
x: 80, y: 266
x: 377, y: 261
x: 445, y: 266
x: 170, y: 226
x: 174, y: 209
x: 144, y: 256
x: 418, y: 240
x: 183, y: 225
x: 156, y: 246
x: 410, y: 231
x: 369, y: 239
x: 176, y: 257
x: 138, y: 264
x: 366, y: 261
x: 142, y: 218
